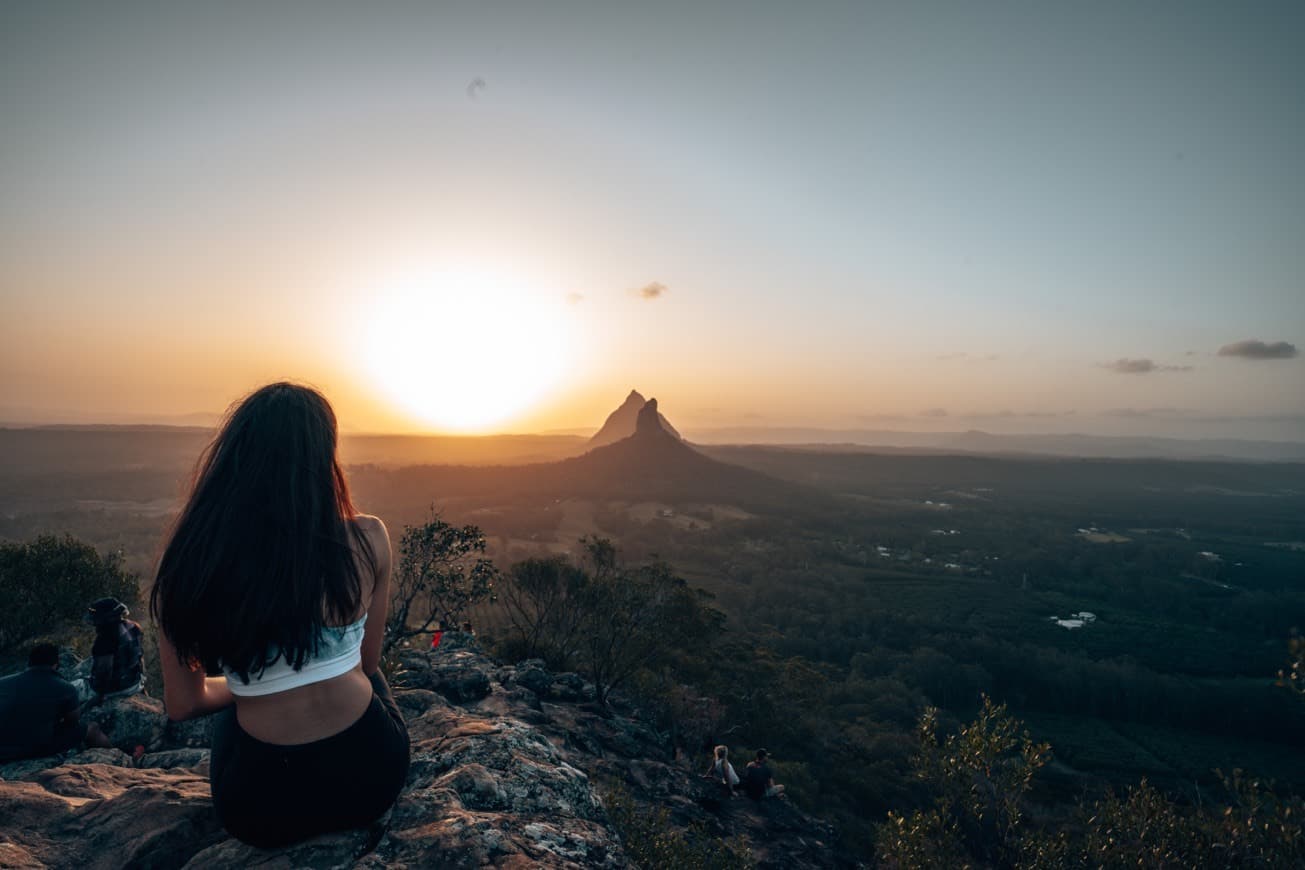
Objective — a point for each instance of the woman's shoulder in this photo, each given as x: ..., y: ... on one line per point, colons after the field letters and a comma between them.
x: 372, y: 527
x: 377, y: 539
x: 368, y: 521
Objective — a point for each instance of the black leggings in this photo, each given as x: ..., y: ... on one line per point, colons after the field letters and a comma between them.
x: 269, y: 795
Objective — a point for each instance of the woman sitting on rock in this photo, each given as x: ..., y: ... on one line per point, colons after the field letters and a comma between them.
x: 272, y: 577
x: 117, y: 666
x: 722, y: 771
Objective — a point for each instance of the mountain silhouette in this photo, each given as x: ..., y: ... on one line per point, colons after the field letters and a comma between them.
x: 650, y: 465
x: 622, y: 422
x: 655, y: 463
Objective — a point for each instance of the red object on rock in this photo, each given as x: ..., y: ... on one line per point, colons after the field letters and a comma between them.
x: 435, y: 639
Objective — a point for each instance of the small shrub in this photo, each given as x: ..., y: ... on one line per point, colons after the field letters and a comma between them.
x: 617, y: 623
x: 47, y: 583
x: 651, y: 840
x: 980, y: 776
x: 442, y: 572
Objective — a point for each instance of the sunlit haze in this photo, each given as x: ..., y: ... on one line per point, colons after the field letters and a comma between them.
x: 465, y: 350
x: 474, y: 218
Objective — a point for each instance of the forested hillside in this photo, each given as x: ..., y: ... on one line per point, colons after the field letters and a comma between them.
x: 867, y: 589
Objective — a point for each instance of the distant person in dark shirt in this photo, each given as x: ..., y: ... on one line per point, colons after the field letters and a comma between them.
x: 38, y: 711
x: 117, y: 668
x: 758, y: 781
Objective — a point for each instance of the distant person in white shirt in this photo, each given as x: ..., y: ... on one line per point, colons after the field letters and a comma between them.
x: 722, y: 771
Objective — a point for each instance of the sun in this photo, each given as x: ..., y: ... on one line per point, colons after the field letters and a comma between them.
x: 466, y: 350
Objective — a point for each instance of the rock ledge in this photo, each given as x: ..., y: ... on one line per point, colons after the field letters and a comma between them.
x: 502, y: 761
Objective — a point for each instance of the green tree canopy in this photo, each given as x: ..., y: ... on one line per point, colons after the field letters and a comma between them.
x: 48, y: 582
x: 442, y: 572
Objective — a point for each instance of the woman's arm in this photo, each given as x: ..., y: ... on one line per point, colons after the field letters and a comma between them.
x: 379, y: 605
x: 187, y: 691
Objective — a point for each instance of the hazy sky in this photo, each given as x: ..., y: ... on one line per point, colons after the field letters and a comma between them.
x: 1011, y: 216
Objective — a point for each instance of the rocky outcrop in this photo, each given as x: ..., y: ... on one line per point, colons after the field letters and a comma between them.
x: 623, y: 422
x: 458, y: 674
x: 507, y: 767
x: 648, y: 423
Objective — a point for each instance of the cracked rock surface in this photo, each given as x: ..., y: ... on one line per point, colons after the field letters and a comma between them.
x: 504, y: 765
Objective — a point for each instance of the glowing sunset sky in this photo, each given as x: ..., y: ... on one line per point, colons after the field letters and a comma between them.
x: 860, y: 215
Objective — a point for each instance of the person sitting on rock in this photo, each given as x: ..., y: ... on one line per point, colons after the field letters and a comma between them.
x: 438, y: 634
x: 758, y: 781
x: 39, y: 711
x: 117, y: 662
x: 273, y: 575
x: 722, y: 771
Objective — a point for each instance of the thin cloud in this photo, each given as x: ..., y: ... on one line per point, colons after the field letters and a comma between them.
x: 1130, y: 366
x: 1126, y: 366
x: 1254, y: 418
x: 575, y: 298
x: 1006, y: 414
x: 653, y: 290
x: 1139, y: 413
x: 1253, y: 348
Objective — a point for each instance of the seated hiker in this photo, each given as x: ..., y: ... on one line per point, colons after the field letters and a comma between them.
x: 117, y: 664
x: 271, y: 574
x: 722, y: 771
x: 38, y: 711
x: 758, y: 781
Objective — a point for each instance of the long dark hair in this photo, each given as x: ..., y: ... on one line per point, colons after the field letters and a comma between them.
x: 262, y: 555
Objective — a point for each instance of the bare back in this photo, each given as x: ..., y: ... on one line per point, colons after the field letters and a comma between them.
x: 322, y: 709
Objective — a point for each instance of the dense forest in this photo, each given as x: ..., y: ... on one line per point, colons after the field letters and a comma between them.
x: 1132, y: 615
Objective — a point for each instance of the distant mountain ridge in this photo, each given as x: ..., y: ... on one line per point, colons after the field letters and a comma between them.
x: 978, y: 441
x: 621, y: 423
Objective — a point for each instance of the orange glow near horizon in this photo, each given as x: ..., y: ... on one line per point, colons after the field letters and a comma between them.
x: 465, y: 350
x: 199, y: 203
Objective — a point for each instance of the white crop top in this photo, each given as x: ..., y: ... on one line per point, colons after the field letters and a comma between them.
x: 339, y: 651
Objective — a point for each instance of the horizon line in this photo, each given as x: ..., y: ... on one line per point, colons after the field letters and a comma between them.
x: 579, y: 433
